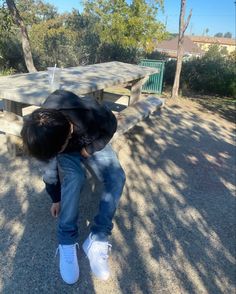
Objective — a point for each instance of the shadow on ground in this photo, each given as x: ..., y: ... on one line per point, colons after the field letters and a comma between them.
x: 28, y: 232
x: 224, y: 107
x: 180, y: 195
x: 174, y: 229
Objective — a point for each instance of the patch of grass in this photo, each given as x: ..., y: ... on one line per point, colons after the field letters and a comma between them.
x: 224, y: 106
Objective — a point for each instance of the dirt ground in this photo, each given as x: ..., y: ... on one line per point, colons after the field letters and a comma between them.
x: 174, y: 231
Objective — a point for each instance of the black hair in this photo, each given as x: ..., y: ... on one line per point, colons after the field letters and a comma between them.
x: 44, y: 133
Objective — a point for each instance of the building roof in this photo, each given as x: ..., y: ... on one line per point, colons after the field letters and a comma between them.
x: 170, y: 47
x: 213, y: 40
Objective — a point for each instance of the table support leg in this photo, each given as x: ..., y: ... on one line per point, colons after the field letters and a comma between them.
x: 13, y: 111
x: 98, y: 95
x: 136, y: 89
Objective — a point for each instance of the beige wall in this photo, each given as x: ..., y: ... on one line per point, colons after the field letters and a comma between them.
x: 205, y: 46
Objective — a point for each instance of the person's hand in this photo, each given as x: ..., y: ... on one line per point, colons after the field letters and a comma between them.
x: 84, y: 153
x: 55, y: 209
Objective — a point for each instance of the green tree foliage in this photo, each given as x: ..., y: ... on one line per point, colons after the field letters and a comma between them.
x: 32, y: 12
x: 219, y: 35
x: 6, y: 22
x: 53, y: 42
x: 11, y: 55
x: 87, y: 35
x: 106, y: 30
x: 35, y: 11
x: 228, y: 35
x: 127, y: 25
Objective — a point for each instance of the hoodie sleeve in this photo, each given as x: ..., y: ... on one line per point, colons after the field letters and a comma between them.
x: 54, y: 191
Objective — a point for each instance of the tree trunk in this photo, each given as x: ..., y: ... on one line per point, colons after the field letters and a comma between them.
x: 175, y: 89
x: 180, y: 50
x: 24, y: 35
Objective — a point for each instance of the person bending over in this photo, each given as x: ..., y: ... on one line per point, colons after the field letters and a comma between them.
x: 69, y: 133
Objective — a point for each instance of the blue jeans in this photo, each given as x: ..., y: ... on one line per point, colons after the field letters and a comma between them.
x: 71, y: 168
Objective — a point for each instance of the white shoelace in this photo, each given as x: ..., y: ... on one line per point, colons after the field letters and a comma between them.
x: 69, y: 253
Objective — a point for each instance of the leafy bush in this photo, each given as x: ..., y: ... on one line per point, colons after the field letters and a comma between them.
x: 111, y: 52
x: 214, y: 73
x: 156, y: 55
x: 11, y: 54
x: 169, y: 73
x: 53, y: 43
x: 7, y: 72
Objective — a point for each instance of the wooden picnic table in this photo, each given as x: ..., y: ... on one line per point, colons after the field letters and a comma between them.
x: 21, y: 90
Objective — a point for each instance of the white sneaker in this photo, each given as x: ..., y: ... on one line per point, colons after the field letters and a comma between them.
x: 69, y: 267
x: 97, y: 253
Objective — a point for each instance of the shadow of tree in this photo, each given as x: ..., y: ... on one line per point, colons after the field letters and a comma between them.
x: 28, y: 232
x: 174, y: 229
x: 177, y: 220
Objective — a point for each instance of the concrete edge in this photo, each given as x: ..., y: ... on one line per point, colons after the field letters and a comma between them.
x: 133, y: 114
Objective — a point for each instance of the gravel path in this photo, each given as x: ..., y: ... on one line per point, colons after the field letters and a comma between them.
x: 175, y: 227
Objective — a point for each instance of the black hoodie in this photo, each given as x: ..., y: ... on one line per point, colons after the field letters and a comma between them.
x: 94, y: 126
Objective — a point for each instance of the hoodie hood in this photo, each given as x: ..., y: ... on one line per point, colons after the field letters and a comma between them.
x: 62, y: 99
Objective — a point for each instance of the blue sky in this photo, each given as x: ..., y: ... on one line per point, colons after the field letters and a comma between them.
x: 216, y: 15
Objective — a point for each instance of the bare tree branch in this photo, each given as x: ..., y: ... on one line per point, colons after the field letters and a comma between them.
x: 187, y: 23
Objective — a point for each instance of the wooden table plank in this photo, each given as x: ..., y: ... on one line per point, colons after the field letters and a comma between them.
x: 33, y: 88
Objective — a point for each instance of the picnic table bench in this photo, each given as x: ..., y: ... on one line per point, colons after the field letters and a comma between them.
x: 23, y: 90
